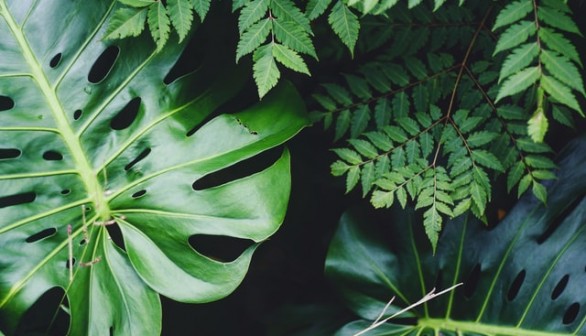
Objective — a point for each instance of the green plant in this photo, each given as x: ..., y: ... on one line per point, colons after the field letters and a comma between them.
x: 98, y: 135
x: 431, y: 120
x: 528, y: 282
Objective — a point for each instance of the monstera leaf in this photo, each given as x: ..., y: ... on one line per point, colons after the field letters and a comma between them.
x: 525, y: 276
x: 93, y: 138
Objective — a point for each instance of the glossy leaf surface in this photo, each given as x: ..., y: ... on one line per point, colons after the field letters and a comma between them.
x: 523, y: 277
x: 96, y: 138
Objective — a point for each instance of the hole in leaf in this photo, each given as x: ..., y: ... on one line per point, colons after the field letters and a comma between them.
x: 187, y: 63
x: 67, y: 265
x: 472, y: 281
x: 52, y: 156
x: 139, y: 194
x: 127, y: 115
x: 559, y: 288
x: 571, y: 313
x: 6, y: 103
x: 46, y: 233
x: 220, y: 248
x: 116, y: 235
x: 45, y: 317
x: 82, y: 242
x: 77, y: 114
x: 516, y: 285
x: 17, y: 199
x: 239, y: 170
x: 139, y: 158
x: 103, y: 64
x: 201, y: 123
x: 557, y: 221
x: 54, y: 62
x: 65, y: 191
x: 9, y: 153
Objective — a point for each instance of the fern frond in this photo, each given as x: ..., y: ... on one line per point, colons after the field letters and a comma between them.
x: 345, y: 24
x: 159, y: 24
x: 201, y: 7
x: 265, y: 71
x: 181, y: 16
x: 126, y: 22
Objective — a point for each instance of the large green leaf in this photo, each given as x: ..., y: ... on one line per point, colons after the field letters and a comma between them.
x: 93, y: 138
x: 523, y: 277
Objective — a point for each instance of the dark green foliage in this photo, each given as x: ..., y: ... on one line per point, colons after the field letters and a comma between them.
x: 521, y: 277
x: 422, y: 118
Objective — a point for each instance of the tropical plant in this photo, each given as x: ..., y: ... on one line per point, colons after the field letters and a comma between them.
x: 102, y: 137
x: 431, y: 120
x: 521, y: 277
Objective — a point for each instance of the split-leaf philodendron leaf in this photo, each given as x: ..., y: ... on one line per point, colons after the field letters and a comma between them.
x: 524, y: 277
x: 91, y: 137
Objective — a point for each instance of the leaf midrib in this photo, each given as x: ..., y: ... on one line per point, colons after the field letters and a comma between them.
x: 82, y: 164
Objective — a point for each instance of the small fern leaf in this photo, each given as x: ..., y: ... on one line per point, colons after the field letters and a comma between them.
x: 345, y: 24
x: 409, y: 125
x: 519, y: 59
x: 539, y: 161
x: 315, y: 8
x: 539, y: 191
x: 432, y: 221
x: 562, y: 69
x: 352, y: 178
x: 512, y: 13
x: 367, y: 178
x: 253, y: 38
x: 487, y: 159
x: 480, y: 138
x: 286, y: 10
x: 515, y: 35
x: 559, y: 43
x: 294, y: 37
x: 518, y: 82
x: 289, y: 58
x: 251, y: 13
x: 339, y: 168
x: 364, y: 147
x: 159, y: 24
x: 360, y: 119
x: 462, y: 207
x: 537, y: 126
x: 563, y: 115
x: 201, y: 7
x: 382, y: 199
x: 515, y: 174
x: 348, y: 155
x: 181, y: 16
x: 358, y: 86
x: 382, y: 113
x: 342, y: 124
x: 427, y: 143
x: 380, y: 140
x: 338, y: 93
x: 265, y: 71
x: 401, y: 105
x: 560, y: 92
x: 126, y: 22
x: 557, y: 20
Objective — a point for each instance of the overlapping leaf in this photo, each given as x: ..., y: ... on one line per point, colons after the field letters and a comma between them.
x: 520, y: 278
x: 93, y: 138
